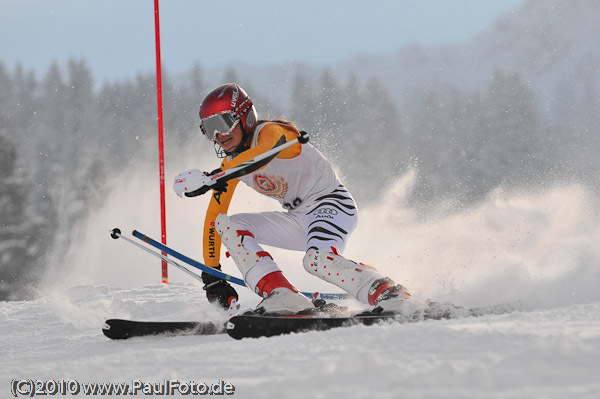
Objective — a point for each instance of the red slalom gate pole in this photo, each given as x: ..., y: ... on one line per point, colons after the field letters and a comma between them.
x: 161, y: 152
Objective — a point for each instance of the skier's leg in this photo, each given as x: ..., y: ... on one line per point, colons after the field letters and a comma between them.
x: 329, y: 221
x: 361, y: 281
x: 329, y: 224
x: 260, y: 272
x: 276, y: 229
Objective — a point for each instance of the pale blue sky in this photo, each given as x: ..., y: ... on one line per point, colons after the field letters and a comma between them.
x: 116, y: 37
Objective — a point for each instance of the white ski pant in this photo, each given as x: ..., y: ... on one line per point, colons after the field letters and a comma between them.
x: 326, y: 222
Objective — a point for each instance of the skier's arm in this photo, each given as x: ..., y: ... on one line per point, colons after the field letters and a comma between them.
x: 219, y: 203
x: 194, y: 182
x: 269, y: 137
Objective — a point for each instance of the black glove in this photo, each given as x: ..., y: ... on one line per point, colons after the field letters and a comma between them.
x: 218, y: 291
x: 219, y: 186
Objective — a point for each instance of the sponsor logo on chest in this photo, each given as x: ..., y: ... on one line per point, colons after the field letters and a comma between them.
x: 270, y: 185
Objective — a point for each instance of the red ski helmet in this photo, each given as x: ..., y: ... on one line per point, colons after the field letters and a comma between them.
x: 223, y: 108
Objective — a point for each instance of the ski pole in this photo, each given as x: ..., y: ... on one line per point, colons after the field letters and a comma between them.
x: 210, y: 270
x: 215, y: 272
x: 116, y: 233
x: 265, y: 156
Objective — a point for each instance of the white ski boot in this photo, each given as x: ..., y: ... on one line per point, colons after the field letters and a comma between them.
x: 395, y: 298
x: 283, y: 300
x: 280, y: 295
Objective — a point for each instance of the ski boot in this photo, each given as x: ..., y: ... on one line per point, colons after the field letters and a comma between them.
x: 394, y: 298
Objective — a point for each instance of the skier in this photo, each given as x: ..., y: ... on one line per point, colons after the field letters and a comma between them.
x: 320, y: 212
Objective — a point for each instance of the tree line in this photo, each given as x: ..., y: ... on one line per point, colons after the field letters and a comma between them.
x: 60, y: 138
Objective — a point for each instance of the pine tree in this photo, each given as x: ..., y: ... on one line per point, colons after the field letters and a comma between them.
x: 18, y: 266
x: 514, y: 148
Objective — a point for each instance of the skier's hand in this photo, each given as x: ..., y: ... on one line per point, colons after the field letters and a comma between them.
x: 218, y: 185
x: 218, y: 291
x: 192, y: 183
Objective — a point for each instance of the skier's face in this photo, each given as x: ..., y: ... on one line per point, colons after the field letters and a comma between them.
x: 230, y: 141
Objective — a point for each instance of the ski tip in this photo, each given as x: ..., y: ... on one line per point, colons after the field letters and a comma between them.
x: 112, y: 333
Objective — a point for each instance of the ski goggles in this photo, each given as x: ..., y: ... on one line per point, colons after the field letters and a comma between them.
x: 222, y: 124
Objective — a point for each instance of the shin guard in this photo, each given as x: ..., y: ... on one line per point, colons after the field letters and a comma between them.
x: 254, y: 263
x: 361, y: 281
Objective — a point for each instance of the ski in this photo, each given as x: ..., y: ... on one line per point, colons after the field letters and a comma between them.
x: 257, y: 326
x: 325, y: 317
x: 252, y: 325
x: 124, y: 329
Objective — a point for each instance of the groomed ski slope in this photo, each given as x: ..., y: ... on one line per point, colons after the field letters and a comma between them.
x: 538, y: 247
x: 553, y: 353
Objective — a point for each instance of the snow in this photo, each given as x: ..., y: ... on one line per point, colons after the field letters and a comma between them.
x: 549, y: 353
x: 540, y: 247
